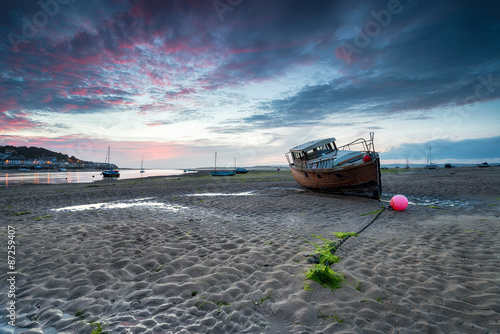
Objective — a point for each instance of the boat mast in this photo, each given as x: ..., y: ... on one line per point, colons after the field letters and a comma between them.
x: 108, y: 155
x: 215, y: 160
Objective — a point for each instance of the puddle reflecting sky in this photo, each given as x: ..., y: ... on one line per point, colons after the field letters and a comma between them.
x: 146, y: 202
x: 245, y: 193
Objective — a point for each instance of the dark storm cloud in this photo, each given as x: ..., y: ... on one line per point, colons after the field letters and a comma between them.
x: 481, y: 148
x: 419, y: 61
x: 97, y: 55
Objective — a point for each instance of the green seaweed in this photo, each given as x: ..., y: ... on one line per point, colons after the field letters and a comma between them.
x: 201, y: 305
x: 21, y: 213
x: 80, y: 314
x: 325, y: 251
x: 344, y: 235
x: 321, y: 272
x: 271, y: 296
x: 98, y: 329
x: 220, y: 304
x: 325, y: 317
x: 325, y: 276
x: 42, y: 217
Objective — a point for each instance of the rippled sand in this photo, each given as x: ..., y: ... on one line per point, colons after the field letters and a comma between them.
x: 227, y: 255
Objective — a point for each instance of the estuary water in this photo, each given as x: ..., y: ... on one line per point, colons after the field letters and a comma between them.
x: 9, y: 178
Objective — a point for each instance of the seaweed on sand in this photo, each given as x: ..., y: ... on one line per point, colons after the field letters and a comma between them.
x: 325, y: 276
x: 321, y: 272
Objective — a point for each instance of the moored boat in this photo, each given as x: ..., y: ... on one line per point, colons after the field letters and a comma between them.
x: 321, y: 165
x: 109, y: 172
x: 222, y: 172
x: 241, y: 170
x: 219, y: 172
x: 484, y: 164
x: 430, y: 164
x: 142, y: 168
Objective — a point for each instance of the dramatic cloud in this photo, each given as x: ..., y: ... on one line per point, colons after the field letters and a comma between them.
x: 194, y: 70
x: 441, y: 150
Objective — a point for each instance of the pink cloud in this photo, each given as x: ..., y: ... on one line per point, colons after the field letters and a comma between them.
x: 16, y: 123
x: 153, y: 124
x: 68, y: 107
x: 92, y: 149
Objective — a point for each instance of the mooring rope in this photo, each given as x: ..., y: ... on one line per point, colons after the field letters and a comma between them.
x: 314, y: 258
x: 359, y: 232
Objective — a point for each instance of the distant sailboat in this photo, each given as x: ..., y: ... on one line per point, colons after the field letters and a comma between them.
x: 109, y: 172
x: 142, y: 160
x: 216, y: 172
x: 430, y: 165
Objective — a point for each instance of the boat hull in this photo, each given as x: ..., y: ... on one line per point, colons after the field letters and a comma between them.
x: 241, y: 170
x: 110, y: 173
x: 221, y: 173
x: 361, y: 179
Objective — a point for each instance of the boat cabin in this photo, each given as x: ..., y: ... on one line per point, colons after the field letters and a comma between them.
x: 313, y: 149
x: 325, y: 154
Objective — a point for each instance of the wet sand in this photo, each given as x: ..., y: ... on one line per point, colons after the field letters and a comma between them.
x: 199, y: 254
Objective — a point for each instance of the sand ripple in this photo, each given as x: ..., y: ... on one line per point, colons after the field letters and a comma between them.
x: 235, y: 264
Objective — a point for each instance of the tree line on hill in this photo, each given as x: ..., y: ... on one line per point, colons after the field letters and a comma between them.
x: 36, y: 153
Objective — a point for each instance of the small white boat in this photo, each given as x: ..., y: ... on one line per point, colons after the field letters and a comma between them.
x: 61, y: 170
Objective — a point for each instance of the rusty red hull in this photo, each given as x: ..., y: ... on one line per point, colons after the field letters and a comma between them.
x: 362, y: 179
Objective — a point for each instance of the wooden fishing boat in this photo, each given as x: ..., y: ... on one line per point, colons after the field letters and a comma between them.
x: 352, y: 169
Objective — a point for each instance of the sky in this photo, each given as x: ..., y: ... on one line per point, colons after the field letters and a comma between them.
x: 177, y: 81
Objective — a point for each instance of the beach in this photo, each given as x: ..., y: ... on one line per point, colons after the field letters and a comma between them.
x: 201, y: 254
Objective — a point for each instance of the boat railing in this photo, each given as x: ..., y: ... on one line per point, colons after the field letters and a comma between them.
x: 367, y: 145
